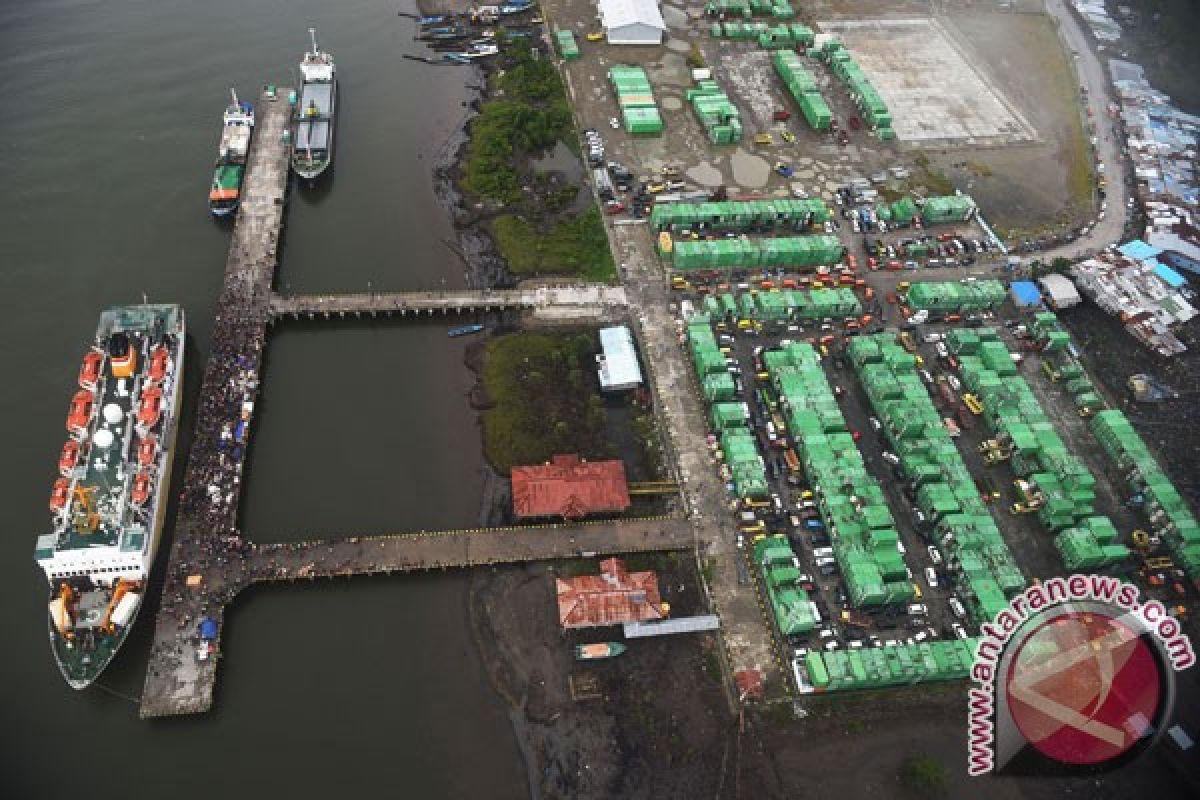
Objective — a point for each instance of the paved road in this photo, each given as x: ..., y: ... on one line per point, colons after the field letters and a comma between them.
x: 1093, y: 75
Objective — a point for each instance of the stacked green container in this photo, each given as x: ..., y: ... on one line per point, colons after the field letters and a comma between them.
x: 849, y: 500
x: 954, y: 208
x: 956, y: 296
x: 716, y: 112
x: 789, y: 603
x: 803, y: 88
x: 567, y: 46
x: 945, y: 491
x: 895, y: 665
x: 742, y: 215
x: 1039, y: 455
x: 743, y: 254
x: 636, y: 99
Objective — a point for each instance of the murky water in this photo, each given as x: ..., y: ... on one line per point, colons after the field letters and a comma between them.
x: 111, y: 123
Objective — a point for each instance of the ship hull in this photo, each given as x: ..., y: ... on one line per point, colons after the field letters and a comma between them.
x: 311, y: 170
x: 79, y: 668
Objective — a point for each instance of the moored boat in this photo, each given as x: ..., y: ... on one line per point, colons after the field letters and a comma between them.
x: 109, y: 503
x: 316, y: 112
x: 463, y: 330
x: 230, y: 170
x: 591, y: 652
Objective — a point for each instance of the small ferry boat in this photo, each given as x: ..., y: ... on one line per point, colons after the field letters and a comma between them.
x: 591, y: 652
x: 464, y: 330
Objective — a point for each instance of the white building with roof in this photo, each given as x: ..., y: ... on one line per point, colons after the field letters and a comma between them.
x: 617, y: 365
x: 1060, y: 291
x: 632, y: 21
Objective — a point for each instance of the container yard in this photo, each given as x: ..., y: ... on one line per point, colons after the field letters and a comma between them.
x: 888, y: 464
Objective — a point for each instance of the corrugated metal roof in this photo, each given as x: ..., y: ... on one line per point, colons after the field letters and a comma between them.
x: 569, y: 487
x: 613, y: 597
x: 619, y: 368
x: 619, y: 13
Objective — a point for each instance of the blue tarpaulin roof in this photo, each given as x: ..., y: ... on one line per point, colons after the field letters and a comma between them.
x: 1169, y: 276
x: 208, y: 629
x: 1025, y: 293
x: 1138, y: 250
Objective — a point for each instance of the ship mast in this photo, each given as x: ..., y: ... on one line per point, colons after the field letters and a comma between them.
x: 233, y: 94
x: 312, y: 34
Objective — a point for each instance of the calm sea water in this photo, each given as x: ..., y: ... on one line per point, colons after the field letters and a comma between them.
x: 111, y: 119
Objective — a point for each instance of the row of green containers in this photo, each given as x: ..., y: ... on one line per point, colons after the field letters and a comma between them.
x: 720, y: 117
x: 1054, y: 343
x: 948, y: 208
x: 738, y: 448
x: 780, y: 9
x: 1169, y: 514
x: 785, y: 37
x: 779, y: 567
x: 743, y: 254
x: 864, y: 94
x: 741, y: 215
x: 635, y: 97
x: 902, y: 211
x: 785, y: 304
x: 803, y: 88
x: 1038, y: 453
x: 898, y: 665
x: 568, y: 48
x: 849, y: 500
x: 1090, y: 544
x: 956, y: 295
x: 946, y: 492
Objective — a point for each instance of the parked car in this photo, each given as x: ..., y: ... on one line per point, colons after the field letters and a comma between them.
x: 931, y: 577
x: 935, y: 555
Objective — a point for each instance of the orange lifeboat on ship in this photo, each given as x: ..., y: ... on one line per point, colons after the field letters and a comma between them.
x: 159, y: 358
x: 141, y: 488
x: 70, y: 454
x: 89, y: 373
x: 151, y: 407
x: 147, y: 450
x: 81, y: 411
x: 58, y: 498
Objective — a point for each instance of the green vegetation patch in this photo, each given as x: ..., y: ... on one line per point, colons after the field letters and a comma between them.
x: 545, y: 400
x: 528, y: 113
x: 571, y: 246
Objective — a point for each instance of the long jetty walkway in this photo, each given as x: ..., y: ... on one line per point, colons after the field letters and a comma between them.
x: 582, y: 299
x: 210, y: 561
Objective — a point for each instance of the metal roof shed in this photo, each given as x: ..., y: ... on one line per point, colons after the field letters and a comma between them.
x: 618, y: 364
x: 632, y: 21
x: 1060, y: 291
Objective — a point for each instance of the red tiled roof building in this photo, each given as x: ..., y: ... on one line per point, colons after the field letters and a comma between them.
x: 613, y: 597
x: 569, y: 487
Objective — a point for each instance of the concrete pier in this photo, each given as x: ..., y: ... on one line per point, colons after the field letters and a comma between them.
x: 582, y: 299
x: 212, y: 479
x: 180, y: 682
x: 210, y: 562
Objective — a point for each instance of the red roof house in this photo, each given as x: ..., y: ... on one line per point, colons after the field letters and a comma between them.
x: 569, y: 487
x: 613, y: 597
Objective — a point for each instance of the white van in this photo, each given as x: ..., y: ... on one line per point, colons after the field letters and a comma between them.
x: 931, y: 577
x: 917, y: 609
